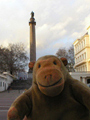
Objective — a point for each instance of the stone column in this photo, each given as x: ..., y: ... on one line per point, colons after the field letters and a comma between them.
x: 32, y: 24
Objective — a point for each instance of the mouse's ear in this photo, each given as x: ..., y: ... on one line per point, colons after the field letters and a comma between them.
x: 64, y: 60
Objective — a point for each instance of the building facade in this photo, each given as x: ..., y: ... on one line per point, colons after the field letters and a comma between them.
x: 82, y: 53
x: 81, y: 76
x: 5, y: 80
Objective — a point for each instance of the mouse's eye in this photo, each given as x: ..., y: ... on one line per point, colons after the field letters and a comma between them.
x: 54, y: 62
x: 39, y: 66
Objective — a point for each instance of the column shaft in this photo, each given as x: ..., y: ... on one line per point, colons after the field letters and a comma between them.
x: 32, y: 43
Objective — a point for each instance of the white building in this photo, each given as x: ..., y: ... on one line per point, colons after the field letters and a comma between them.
x: 82, y: 58
x: 82, y: 76
x: 82, y: 52
x: 5, y: 80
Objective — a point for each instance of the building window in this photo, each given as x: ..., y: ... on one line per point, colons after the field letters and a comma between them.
x: 78, y: 47
x: 81, y: 79
x: 84, y: 68
x: 3, y: 84
x: 80, y: 57
x: 88, y: 81
x: 85, y: 55
x: 76, y: 60
x: 0, y: 84
x: 81, y: 44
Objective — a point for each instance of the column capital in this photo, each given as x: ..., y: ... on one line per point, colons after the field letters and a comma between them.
x: 32, y: 19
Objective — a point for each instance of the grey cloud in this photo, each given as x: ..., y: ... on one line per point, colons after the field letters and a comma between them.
x: 57, y: 22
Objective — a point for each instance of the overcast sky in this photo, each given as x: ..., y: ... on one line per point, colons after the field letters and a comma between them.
x: 58, y: 23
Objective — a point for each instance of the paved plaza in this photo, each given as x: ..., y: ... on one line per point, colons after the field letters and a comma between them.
x: 6, y: 99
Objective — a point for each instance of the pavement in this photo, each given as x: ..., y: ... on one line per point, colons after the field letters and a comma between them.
x: 6, y: 99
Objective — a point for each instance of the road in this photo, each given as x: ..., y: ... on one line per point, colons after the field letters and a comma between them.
x: 6, y: 99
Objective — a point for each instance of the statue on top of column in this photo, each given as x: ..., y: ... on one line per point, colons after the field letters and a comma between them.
x: 32, y: 14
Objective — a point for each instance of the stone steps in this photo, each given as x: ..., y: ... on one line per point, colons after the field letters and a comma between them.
x: 20, y: 84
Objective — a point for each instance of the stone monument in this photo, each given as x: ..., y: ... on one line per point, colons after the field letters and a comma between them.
x: 32, y: 24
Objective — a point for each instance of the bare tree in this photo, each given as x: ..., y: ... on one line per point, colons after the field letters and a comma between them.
x: 13, y: 58
x: 67, y: 53
x: 3, y: 58
x: 71, y: 55
x: 62, y: 52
